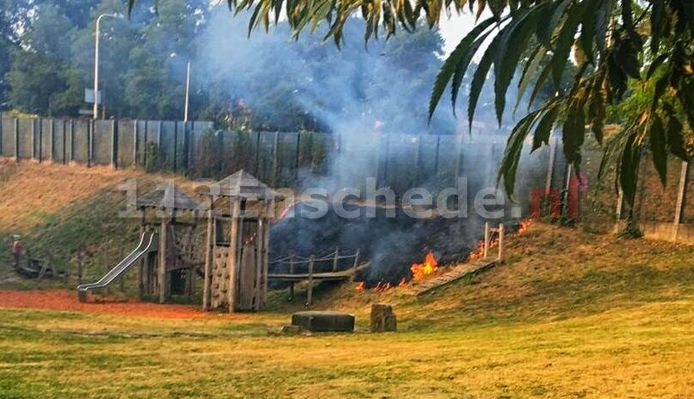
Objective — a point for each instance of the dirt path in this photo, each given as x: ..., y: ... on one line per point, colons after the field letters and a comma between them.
x: 67, y: 300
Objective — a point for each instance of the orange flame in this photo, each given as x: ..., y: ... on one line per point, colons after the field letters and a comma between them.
x: 524, y: 225
x: 421, y: 270
x: 402, y: 283
x: 360, y: 286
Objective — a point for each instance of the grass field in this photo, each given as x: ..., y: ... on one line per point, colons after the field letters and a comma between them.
x: 570, y: 315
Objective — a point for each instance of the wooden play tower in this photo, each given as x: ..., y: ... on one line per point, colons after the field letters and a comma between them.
x: 170, y: 214
x: 238, y: 236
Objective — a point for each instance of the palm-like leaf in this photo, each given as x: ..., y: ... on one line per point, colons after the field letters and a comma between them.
x: 606, y: 32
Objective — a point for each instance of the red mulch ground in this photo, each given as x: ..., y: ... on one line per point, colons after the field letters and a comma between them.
x: 67, y: 300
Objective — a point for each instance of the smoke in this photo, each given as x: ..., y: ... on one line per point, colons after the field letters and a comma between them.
x: 369, y: 98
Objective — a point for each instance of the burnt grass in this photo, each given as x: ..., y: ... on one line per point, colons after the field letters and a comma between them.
x: 389, y: 243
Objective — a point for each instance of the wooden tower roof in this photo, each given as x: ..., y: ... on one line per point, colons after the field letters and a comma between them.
x: 170, y: 198
x: 245, y: 185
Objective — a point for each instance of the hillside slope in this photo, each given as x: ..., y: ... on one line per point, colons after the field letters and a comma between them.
x: 60, y: 209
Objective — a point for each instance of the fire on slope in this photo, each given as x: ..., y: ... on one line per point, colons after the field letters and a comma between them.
x: 421, y: 270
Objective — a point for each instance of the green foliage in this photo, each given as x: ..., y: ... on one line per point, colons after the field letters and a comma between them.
x: 609, y: 42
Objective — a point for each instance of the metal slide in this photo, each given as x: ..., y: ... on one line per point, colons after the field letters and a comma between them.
x: 148, y: 242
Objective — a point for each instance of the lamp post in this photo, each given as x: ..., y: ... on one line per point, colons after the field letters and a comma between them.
x: 187, y: 95
x: 95, y: 113
x: 185, y: 109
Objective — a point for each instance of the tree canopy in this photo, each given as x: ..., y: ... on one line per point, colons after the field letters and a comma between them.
x: 47, y: 60
x: 613, y: 42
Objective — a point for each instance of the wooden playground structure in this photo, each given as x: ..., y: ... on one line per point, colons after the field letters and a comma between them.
x: 232, y: 257
x: 166, y: 255
x: 238, y: 242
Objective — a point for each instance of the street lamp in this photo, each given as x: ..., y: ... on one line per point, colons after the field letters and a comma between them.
x: 95, y: 113
x: 185, y: 106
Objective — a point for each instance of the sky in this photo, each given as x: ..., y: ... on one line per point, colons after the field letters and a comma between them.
x: 453, y: 29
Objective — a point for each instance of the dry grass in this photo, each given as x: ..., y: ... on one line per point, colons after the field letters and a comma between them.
x: 601, y: 319
x: 570, y: 315
x: 32, y: 191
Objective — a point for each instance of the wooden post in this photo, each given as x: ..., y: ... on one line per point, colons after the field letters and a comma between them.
x: 309, y: 299
x: 257, y: 154
x: 297, y: 160
x: 34, y: 154
x: 680, y: 200
x: 500, y: 257
x: 114, y: 144
x: 486, y: 240
x: 161, y: 275
x: 90, y: 142
x: 70, y: 140
x: 269, y: 209
x: 382, y: 318
x: 336, y: 259
x: 232, y: 256
x: 258, y: 291
x: 16, y: 139
x: 51, y: 139
x: 175, y: 148
x: 209, y: 257
x: 135, y: 143
x: 356, y: 263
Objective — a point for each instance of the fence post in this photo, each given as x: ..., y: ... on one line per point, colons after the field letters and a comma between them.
x: 355, y: 265
x: 114, y: 144
x: 160, y: 126
x: 135, y: 143
x: 336, y: 259
x: 500, y: 256
x: 680, y: 199
x: 34, y: 154
x: 257, y: 155
x: 297, y: 160
x: 90, y: 142
x: 51, y: 139
x: 175, y: 148
x: 71, y: 156
x: 16, y: 139
x: 310, y: 282
x: 64, y: 142
x: 486, y: 240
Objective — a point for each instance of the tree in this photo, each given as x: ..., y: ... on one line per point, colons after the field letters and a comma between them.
x: 41, y: 73
x: 617, y: 40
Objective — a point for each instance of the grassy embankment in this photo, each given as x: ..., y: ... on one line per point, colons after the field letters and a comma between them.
x: 571, y: 314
